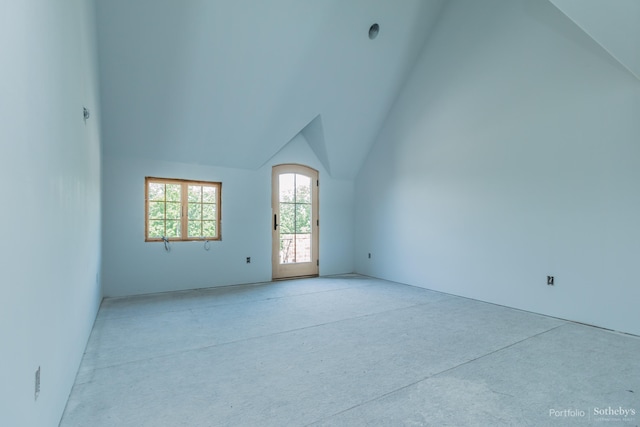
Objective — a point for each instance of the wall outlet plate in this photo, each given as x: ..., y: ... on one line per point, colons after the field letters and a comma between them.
x: 550, y: 281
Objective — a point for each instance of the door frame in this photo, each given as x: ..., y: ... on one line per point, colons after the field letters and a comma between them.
x: 293, y: 270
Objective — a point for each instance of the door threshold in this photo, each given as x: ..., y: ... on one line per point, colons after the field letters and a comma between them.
x: 280, y: 279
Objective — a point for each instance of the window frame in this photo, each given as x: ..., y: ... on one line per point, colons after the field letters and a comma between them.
x: 184, y: 208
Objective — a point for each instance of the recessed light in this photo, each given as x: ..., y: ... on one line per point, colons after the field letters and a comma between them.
x: 373, y: 31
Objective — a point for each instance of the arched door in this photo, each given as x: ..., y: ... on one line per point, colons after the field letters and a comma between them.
x: 295, y: 225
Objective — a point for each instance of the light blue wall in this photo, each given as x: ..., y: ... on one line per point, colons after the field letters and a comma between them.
x: 133, y: 266
x: 511, y: 154
x: 50, y: 203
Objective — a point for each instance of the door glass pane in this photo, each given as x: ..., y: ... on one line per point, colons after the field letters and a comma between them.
x: 287, y: 248
x: 295, y: 218
x: 303, y: 218
x: 303, y: 189
x: 287, y: 187
x: 287, y: 218
x: 303, y: 248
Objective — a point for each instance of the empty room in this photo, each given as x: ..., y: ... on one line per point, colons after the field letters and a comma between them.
x: 320, y: 213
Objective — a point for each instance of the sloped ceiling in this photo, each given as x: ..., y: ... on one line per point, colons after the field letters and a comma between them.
x: 614, y: 24
x: 230, y: 82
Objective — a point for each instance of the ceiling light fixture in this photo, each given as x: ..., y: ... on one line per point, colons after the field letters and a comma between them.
x: 373, y: 31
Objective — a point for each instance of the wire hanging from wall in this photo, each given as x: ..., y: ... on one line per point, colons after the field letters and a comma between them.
x: 167, y: 246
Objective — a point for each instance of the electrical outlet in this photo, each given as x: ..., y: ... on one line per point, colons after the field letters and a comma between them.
x: 550, y: 281
x: 37, y: 385
x: 248, y: 260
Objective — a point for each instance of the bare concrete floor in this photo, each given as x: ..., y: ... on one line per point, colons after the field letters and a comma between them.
x: 347, y: 351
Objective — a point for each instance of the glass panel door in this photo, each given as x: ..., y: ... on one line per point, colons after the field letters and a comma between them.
x: 295, y: 221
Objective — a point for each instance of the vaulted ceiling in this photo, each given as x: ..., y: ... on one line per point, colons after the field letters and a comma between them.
x: 230, y: 82
x: 615, y: 25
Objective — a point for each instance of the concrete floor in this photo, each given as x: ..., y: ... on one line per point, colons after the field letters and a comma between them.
x: 347, y: 351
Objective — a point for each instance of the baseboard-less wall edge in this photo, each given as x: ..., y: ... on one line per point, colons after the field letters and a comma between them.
x: 84, y: 350
x: 577, y: 322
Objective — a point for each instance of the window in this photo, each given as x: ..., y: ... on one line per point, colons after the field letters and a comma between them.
x: 182, y: 210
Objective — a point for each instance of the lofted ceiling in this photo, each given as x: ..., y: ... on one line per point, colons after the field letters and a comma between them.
x: 615, y: 25
x: 231, y: 82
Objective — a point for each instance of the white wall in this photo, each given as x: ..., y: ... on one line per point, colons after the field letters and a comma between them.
x: 50, y: 203
x: 511, y: 154
x: 133, y: 266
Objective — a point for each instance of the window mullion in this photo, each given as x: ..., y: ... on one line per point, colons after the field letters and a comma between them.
x: 201, y: 211
x: 165, y: 211
x: 184, y: 220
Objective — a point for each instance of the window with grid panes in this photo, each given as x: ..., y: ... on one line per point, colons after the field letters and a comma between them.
x: 182, y: 210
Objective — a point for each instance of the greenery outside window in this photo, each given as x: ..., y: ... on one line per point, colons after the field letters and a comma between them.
x: 183, y: 210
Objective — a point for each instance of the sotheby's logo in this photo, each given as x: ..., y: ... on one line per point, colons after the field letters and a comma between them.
x: 600, y: 413
x: 619, y: 411
x: 613, y: 414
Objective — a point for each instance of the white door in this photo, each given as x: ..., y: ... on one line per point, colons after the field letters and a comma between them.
x: 295, y: 222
